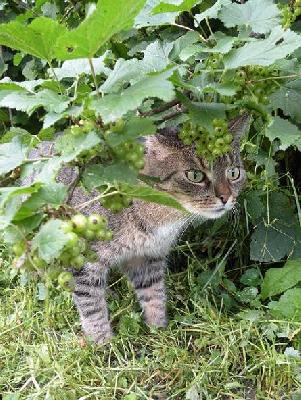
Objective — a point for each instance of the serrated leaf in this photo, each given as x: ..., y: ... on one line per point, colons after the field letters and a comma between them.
x: 27, y: 102
x: 282, y: 129
x: 133, y: 128
x: 213, y: 11
x: 288, y: 306
x: 7, y: 193
x: 98, y: 175
x: 288, y: 98
x: 271, y: 242
x: 70, y: 146
x: 53, y: 195
x: 12, y: 155
x: 37, y: 39
x: 108, y: 18
x: 73, y: 68
x: 278, y: 280
x: 50, y: 240
x: 114, y: 106
x: 147, y: 193
x: 175, y: 6
x: 260, y: 15
x: 146, y: 17
x: 278, y: 44
x: 155, y: 60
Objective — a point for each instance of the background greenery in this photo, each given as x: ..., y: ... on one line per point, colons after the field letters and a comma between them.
x: 103, y: 76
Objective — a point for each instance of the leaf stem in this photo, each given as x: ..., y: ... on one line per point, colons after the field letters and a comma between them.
x: 94, y: 76
x: 101, y: 196
x: 190, y: 30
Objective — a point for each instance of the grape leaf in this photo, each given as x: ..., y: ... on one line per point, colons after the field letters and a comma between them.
x: 50, y: 240
x: 288, y: 98
x: 278, y: 44
x: 108, y: 18
x: 155, y: 60
x: 175, y: 6
x: 260, y: 15
x: 37, y: 39
x: 282, y: 129
x: 7, y: 193
x: 73, y: 68
x: 98, y: 175
x: 133, y: 128
x: 52, y: 195
x: 146, y: 17
x: 213, y: 11
x: 147, y: 193
x: 278, y: 280
x: 27, y: 102
x: 288, y: 306
x: 12, y: 155
x: 70, y: 146
x: 114, y: 106
x: 272, y: 242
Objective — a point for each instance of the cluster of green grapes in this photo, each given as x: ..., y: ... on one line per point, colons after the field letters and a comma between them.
x: 115, y: 202
x: 290, y: 13
x: 130, y: 151
x: 79, y: 230
x: 209, y: 145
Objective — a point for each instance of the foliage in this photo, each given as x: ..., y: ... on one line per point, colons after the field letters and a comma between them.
x: 92, y: 79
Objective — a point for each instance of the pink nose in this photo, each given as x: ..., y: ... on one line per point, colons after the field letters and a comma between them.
x: 224, y: 198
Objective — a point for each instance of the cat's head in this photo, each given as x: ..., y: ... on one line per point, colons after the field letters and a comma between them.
x: 203, y: 189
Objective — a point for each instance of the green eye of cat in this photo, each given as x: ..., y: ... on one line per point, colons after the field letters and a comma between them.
x: 233, y: 173
x: 195, y: 175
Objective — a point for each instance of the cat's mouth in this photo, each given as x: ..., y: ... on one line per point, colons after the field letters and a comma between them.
x: 212, y: 212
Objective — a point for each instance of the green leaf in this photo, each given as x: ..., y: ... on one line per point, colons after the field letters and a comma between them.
x: 175, y: 6
x: 147, y: 193
x: 213, y: 11
x: 12, y: 155
x: 108, y: 18
x: 27, y: 102
x: 50, y: 240
x: 288, y: 306
x: 98, y: 175
x: 37, y: 39
x: 133, y: 128
x: 114, y: 106
x: 288, y: 98
x: 260, y: 15
x: 251, y: 277
x: 155, y: 59
x: 70, y: 146
x: 271, y: 242
x: 146, y: 17
x: 282, y: 129
x: 265, y: 52
x: 278, y: 280
x: 7, y: 193
x: 73, y: 68
x: 53, y: 195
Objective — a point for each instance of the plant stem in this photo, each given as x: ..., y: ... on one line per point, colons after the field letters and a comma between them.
x: 94, y: 76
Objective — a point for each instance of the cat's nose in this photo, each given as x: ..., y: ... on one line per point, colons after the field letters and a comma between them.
x: 224, y: 198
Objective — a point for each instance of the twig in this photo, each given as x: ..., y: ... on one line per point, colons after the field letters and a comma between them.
x: 160, y: 109
x: 73, y: 185
x: 173, y: 114
x: 94, y: 76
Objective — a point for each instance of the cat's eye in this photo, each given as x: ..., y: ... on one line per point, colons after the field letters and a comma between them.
x: 233, y: 173
x: 195, y: 175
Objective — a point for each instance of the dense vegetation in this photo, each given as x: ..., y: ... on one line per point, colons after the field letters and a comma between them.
x: 93, y: 77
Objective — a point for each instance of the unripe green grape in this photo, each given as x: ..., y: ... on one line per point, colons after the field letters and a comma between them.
x: 38, y: 262
x: 78, y: 262
x: 19, y: 248
x: 79, y: 223
x: 95, y: 222
x: 108, y: 235
x: 65, y: 279
x: 72, y: 240
x: 89, y: 234
x: 67, y: 226
x: 65, y: 258
x: 228, y: 138
x: 219, y: 142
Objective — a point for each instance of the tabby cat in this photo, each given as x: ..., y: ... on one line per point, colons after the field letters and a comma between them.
x: 145, y: 232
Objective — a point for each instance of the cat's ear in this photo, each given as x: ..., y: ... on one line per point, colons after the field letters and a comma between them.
x: 240, y: 126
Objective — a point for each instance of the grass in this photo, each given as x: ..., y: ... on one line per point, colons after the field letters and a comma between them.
x: 203, y: 354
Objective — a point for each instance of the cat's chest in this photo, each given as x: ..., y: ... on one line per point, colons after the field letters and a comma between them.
x: 165, y: 235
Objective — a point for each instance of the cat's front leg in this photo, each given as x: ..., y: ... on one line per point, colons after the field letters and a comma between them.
x: 148, y: 281
x: 89, y: 297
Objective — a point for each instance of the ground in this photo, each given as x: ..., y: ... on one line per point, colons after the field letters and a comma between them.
x: 203, y: 354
